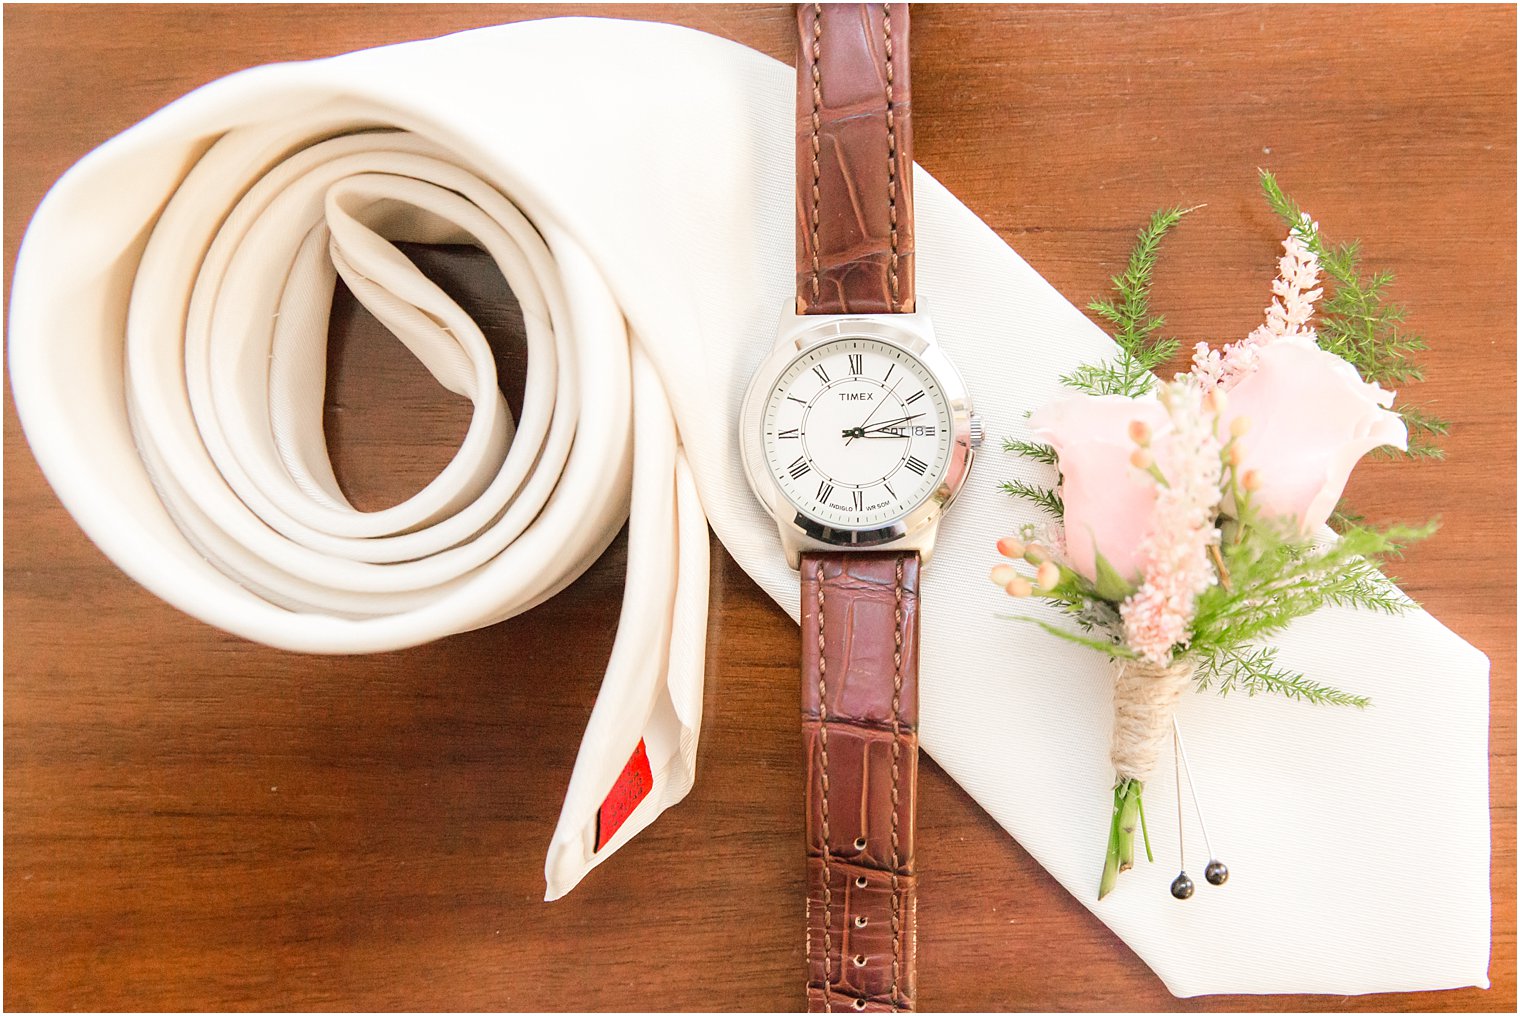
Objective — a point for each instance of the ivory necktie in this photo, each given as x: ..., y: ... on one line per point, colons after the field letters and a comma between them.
x: 167, y: 326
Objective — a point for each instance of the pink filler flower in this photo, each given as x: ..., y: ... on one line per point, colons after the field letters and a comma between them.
x: 1294, y: 293
x: 1174, y: 556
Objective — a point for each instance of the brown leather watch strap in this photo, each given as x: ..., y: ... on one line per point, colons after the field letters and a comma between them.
x: 854, y: 160
x: 860, y: 727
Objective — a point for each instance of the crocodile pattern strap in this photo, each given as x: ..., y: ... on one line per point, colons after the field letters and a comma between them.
x: 854, y: 160
x: 860, y: 728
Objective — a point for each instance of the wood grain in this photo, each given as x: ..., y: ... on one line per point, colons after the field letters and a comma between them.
x: 196, y: 822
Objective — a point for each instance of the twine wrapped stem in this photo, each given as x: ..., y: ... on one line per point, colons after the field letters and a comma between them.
x: 1145, y: 697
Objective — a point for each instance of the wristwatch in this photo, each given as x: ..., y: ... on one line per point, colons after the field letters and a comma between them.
x: 857, y: 433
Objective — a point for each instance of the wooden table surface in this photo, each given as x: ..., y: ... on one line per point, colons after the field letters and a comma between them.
x: 193, y: 821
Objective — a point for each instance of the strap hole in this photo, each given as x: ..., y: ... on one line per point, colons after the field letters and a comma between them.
x: 860, y: 922
x: 860, y: 961
x: 860, y: 843
x: 860, y: 1005
x: 861, y: 882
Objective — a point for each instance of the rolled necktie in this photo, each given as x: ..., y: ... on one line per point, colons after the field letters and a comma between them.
x: 633, y: 183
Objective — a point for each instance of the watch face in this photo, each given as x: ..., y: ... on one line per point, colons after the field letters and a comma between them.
x: 857, y: 432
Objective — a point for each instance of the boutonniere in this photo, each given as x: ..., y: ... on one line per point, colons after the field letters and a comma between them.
x: 1186, y: 523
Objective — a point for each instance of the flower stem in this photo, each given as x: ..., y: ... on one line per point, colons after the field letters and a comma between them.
x: 1129, y: 817
x: 1128, y: 812
x: 1111, y: 861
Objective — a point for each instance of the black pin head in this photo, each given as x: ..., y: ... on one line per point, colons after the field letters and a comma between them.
x: 1182, y: 886
x: 1216, y: 873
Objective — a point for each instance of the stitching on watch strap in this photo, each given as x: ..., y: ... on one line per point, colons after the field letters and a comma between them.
x: 891, y: 160
x: 815, y: 51
x: 823, y: 750
x: 897, y: 683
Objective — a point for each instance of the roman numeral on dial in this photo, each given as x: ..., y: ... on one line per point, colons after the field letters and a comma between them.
x: 913, y: 398
x: 860, y: 500
x: 800, y: 468
x: 917, y: 465
x: 788, y: 433
x: 823, y: 375
x: 825, y: 488
x: 857, y: 365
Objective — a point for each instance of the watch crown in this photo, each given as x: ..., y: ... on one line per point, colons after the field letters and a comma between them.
x: 976, y: 431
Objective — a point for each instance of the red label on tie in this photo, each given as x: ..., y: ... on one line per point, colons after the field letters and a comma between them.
x: 632, y: 786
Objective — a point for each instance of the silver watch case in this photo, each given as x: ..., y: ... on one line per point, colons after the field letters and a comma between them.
x: 913, y: 333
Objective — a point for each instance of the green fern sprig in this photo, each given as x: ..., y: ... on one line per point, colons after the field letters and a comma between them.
x: 1044, y: 498
x: 1032, y: 450
x: 1131, y: 323
x: 1343, y: 517
x: 1255, y: 670
x: 1425, y: 431
x: 1355, y: 322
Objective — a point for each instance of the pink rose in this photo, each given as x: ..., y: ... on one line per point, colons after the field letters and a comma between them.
x: 1108, y: 501
x: 1311, y: 418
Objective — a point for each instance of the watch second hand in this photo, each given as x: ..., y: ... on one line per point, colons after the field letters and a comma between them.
x: 861, y: 429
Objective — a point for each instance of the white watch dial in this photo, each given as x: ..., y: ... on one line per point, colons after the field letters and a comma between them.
x: 857, y: 433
